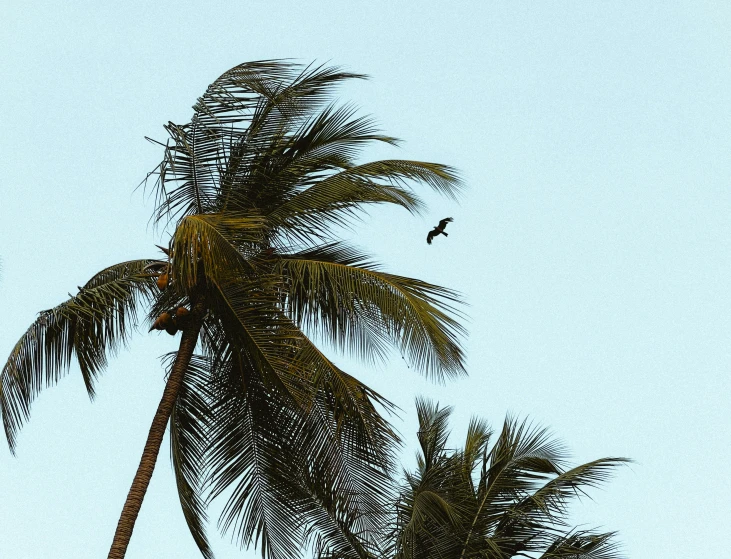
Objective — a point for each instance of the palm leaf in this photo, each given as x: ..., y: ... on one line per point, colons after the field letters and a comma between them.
x: 216, y: 245
x: 189, y: 444
x: 250, y: 435
x: 583, y: 544
x: 335, y: 290
x: 339, y: 443
x: 236, y: 123
x: 339, y: 197
x: 549, y: 502
x: 90, y: 325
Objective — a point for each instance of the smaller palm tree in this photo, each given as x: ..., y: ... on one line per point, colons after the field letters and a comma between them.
x: 496, y: 501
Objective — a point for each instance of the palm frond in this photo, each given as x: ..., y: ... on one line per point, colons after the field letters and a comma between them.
x: 252, y: 431
x: 476, y: 442
x: 288, y: 362
x: 583, y: 544
x: 255, y: 327
x: 216, y: 245
x: 89, y: 325
x: 236, y: 124
x: 336, y: 291
x: 433, y: 432
x: 338, y: 198
x: 295, y: 159
x: 289, y: 477
x: 550, y: 502
x: 291, y: 87
x: 189, y: 445
x: 340, y: 446
x: 522, y: 455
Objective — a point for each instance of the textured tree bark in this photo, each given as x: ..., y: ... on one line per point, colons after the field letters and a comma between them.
x: 154, y: 439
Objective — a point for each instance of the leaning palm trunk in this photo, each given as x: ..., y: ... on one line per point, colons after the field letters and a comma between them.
x: 142, y: 478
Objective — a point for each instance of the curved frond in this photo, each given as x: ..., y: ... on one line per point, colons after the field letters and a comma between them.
x: 334, y: 290
x: 252, y: 431
x: 287, y: 360
x: 90, y: 325
x: 340, y: 445
x: 583, y: 544
x: 433, y: 432
x: 289, y: 86
x: 294, y: 473
x: 476, y: 442
x: 337, y: 198
x: 550, y: 501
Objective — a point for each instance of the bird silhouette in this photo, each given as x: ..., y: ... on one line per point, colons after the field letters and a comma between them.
x: 439, y: 229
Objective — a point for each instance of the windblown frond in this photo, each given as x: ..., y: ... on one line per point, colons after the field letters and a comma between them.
x: 584, y: 544
x: 90, y: 325
x: 336, y: 291
x: 340, y: 445
x: 287, y: 361
x: 291, y: 87
x: 237, y: 125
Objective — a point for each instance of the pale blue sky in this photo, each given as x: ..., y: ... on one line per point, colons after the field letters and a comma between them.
x: 593, y: 244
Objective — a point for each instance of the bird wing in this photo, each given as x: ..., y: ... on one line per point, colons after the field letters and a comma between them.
x: 429, y: 237
x: 443, y: 223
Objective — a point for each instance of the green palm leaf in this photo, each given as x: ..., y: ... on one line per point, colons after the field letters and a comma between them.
x: 189, y: 444
x: 583, y: 544
x: 337, y: 291
x: 517, y: 507
x: 338, y: 197
x: 237, y: 125
x: 89, y: 325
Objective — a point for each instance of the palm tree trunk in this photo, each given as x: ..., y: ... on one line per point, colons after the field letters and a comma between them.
x: 157, y: 430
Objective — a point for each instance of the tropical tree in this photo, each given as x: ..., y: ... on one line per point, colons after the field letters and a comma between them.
x: 494, y: 500
x: 252, y: 192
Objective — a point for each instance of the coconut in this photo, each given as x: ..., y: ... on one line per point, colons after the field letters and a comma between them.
x: 162, y: 322
x: 162, y: 281
x: 181, y: 317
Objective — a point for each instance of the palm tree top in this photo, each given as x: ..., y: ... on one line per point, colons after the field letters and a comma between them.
x: 497, y: 496
x: 252, y: 191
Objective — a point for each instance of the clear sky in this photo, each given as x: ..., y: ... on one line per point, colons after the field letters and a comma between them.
x: 593, y: 243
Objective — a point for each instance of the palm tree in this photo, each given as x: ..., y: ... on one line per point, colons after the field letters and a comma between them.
x: 494, y: 501
x: 252, y: 191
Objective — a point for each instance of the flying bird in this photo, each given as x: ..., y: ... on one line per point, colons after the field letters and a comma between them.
x: 439, y: 229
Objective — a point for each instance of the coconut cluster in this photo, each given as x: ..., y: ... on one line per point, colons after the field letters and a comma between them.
x: 172, y: 321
